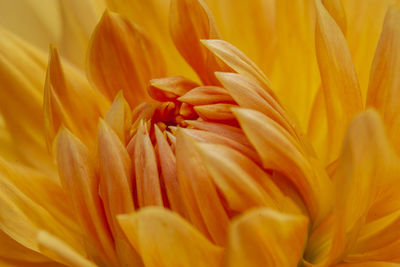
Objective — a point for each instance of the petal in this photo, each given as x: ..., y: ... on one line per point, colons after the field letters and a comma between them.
x: 384, y: 87
x: 146, y: 170
x: 61, y: 252
x: 116, y: 187
x: 77, y: 174
x: 170, y: 88
x: 190, y: 21
x: 121, y: 57
x: 199, y: 193
x: 119, y: 117
x: 165, y: 239
x: 238, y: 61
x: 153, y: 17
x: 264, y: 237
x: 363, y: 30
x: 241, y: 181
x: 204, y: 95
x: 339, y: 81
x: 70, y: 101
x: 279, y: 152
x: 22, y: 71
x: 167, y: 161
x: 368, y: 264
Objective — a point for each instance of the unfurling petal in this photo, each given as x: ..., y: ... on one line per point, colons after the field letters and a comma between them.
x: 166, y: 240
x: 121, y: 57
x: 339, y: 81
x: 264, y: 237
x: 384, y: 87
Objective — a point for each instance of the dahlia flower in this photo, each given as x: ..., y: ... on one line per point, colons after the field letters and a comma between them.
x: 200, y: 133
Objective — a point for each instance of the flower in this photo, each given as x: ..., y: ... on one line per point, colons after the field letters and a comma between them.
x: 140, y: 162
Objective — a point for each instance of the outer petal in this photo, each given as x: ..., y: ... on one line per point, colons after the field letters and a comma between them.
x: 166, y: 240
x: 22, y: 70
x: 384, y: 87
x: 121, y: 57
x: 190, y: 21
x: 280, y: 152
x: 264, y: 237
x: 70, y: 101
x: 341, y: 89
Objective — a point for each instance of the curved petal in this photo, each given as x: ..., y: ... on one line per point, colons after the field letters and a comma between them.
x: 384, y: 87
x: 122, y: 57
x: 166, y: 240
x: 264, y: 237
x: 339, y: 81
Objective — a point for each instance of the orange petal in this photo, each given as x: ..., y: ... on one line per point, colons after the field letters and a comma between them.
x: 190, y: 21
x: 166, y: 240
x: 368, y: 264
x: 119, y: 117
x: 80, y: 181
x: 170, y: 88
x: 278, y: 151
x: 199, y: 193
x: 264, y: 237
x: 384, y: 87
x: 69, y: 101
x: 204, y: 95
x: 121, y: 57
x: 215, y: 112
x: 168, y: 170
x: 336, y: 10
x: 116, y: 187
x: 146, y: 170
x: 339, y: 81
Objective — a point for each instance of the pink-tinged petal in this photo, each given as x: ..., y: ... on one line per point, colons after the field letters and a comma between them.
x: 199, y: 193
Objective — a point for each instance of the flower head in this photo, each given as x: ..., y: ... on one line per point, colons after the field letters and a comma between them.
x: 143, y: 161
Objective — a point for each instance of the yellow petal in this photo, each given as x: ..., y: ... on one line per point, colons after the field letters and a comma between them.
x: 204, y: 95
x: 146, y: 170
x: 121, y: 57
x: 241, y: 181
x: 199, y: 193
x: 339, y: 81
x: 80, y: 181
x: 336, y: 10
x: 119, y: 117
x: 61, y: 252
x: 238, y: 61
x: 153, y: 17
x: 23, y: 213
x: 166, y: 240
x: 384, y: 87
x: 190, y: 21
x: 22, y: 72
x: 278, y: 151
x: 264, y: 237
x: 70, y: 101
x: 116, y: 187
x: 363, y: 30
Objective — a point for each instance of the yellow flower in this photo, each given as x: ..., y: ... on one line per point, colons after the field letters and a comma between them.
x: 144, y: 157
